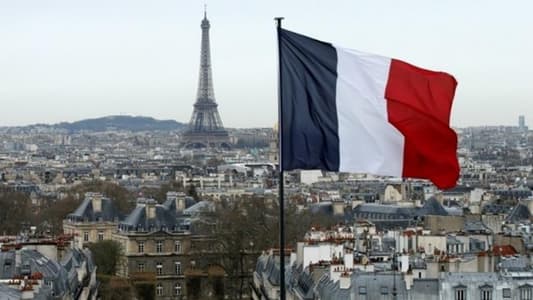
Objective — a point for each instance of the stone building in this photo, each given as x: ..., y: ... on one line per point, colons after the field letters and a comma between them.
x: 94, y: 220
x: 156, y: 238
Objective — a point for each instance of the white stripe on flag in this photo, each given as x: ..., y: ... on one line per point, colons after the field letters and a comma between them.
x: 368, y: 143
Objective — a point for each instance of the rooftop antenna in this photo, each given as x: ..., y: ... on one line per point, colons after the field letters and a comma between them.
x: 205, y: 10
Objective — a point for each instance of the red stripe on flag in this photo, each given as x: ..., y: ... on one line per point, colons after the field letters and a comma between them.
x: 419, y: 103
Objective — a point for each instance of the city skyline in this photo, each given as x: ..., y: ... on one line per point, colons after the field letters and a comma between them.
x: 70, y: 61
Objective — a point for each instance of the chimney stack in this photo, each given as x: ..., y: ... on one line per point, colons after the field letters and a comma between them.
x: 179, y: 200
x: 150, y: 208
x: 345, y: 281
x: 96, y: 199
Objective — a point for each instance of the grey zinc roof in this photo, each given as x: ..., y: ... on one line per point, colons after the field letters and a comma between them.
x: 374, y: 286
x: 267, y: 267
x: 85, y: 211
x: 7, y: 259
x: 515, y: 264
x: 9, y: 293
x: 51, y: 270
x: 452, y: 240
x: 432, y: 207
x: 322, y: 208
x: 165, y: 219
x: 467, y: 277
x: 62, y: 276
x: 304, y: 283
x: 425, y: 287
x: 171, y: 203
x: 202, y: 206
x: 476, y: 226
x: 519, y: 213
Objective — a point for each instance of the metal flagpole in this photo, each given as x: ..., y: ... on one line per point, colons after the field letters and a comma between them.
x: 281, y: 177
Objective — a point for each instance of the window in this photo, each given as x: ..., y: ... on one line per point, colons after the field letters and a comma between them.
x: 159, y: 246
x: 178, y: 268
x: 86, y: 236
x: 384, y: 290
x: 100, y: 235
x: 177, y: 247
x: 460, y: 293
x: 506, y: 293
x: 362, y: 290
x: 526, y: 292
x: 49, y: 283
x: 7, y: 267
x: 140, y: 247
x: 159, y: 289
x: 177, y: 289
x: 140, y: 267
x: 159, y: 268
x: 486, y: 294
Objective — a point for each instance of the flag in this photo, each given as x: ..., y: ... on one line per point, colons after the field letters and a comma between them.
x: 350, y: 111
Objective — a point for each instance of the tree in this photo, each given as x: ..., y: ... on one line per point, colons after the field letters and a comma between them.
x: 53, y: 212
x: 15, y: 209
x: 115, y: 288
x: 106, y: 255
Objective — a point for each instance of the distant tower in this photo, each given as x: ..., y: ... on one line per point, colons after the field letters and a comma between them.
x: 522, y: 122
x: 205, y: 128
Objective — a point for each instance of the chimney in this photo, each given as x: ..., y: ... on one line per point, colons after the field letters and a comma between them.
x: 96, y: 199
x: 179, y: 200
x: 150, y: 208
x: 348, y: 260
x: 338, y: 207
x: 345, y: 281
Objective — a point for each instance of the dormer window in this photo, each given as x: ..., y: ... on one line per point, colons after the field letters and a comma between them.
x: 526, y: 292
x: 485, y: 292
x: 460, y: 292
x: 362, y: 290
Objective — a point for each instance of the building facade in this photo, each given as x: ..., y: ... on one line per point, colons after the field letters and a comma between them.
x: 94, y: 220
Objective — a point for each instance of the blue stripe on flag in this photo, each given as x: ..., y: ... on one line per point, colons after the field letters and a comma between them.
x: 310, y: 125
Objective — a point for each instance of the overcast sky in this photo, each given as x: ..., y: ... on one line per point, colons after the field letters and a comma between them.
x: 65, y: 60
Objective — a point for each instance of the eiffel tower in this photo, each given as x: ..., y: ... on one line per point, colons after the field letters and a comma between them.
x: 205, y: 127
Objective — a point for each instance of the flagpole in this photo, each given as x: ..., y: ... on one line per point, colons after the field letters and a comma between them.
x: 281, y: 180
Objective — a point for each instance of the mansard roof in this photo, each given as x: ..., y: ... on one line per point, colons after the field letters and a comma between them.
x: 519, y: 213
x: 86, y: 212
x: 164, y: 219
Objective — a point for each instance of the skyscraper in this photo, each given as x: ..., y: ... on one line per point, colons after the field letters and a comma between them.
x: 205, y: 127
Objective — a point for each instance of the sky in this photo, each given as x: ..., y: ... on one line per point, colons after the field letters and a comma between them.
x: 65, y: 60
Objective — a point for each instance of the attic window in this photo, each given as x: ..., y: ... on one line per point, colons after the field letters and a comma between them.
x: 384, y: 290
x: 362, y: 290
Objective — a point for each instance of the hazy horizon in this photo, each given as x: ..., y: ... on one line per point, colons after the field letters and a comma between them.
x: 63, y: 61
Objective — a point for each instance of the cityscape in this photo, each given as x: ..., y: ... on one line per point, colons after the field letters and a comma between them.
x: 137, y: 207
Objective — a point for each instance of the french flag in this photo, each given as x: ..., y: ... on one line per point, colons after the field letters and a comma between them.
x: 350, y: 111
